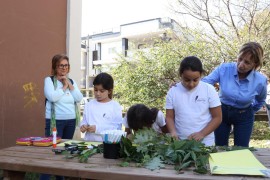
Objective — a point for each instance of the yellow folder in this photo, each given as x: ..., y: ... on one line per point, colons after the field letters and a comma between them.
x: 239, y: 162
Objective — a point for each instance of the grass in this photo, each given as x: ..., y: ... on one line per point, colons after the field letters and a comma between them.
x: 31, y: 176
x: 261, y: 135
x: 260, y: 139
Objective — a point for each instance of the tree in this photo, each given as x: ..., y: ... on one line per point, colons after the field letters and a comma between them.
x: 146, y: 77
x: 223, y: 26
x: 227, y: 24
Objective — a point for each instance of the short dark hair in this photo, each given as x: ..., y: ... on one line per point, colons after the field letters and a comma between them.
x: 106, y: 81
x: 191, y: 63
x: 140, y: 116
x: 56, y: 61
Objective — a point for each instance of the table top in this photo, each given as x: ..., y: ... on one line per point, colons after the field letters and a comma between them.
x: 43, y: 160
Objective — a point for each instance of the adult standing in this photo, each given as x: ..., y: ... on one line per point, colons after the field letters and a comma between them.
x: 61, y: 94
x: 242, y: 94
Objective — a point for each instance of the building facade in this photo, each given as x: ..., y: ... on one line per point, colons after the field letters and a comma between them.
x: 101, y: 49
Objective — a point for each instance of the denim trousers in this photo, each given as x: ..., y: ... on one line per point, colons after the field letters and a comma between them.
x: 65, y: 130
x: 242, y: 121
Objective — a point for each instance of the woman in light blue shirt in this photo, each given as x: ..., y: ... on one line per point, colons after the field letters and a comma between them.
x: 62, y: 94
x: 242, y: 94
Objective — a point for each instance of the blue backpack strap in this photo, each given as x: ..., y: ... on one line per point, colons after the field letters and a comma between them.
x: 71, y: 81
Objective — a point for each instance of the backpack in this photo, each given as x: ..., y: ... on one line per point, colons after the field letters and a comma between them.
x: 53, y: 82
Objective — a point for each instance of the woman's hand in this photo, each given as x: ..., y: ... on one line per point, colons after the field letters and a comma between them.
x: 64, y: 81
x: 70, y: 86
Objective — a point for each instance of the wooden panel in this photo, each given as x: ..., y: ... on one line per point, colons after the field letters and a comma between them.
x: 31, y: 32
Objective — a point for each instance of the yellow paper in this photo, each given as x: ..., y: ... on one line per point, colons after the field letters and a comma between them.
x: 88, y: 143
x: 239, y: 162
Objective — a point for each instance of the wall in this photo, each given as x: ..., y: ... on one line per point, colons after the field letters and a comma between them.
x: 31, y: 32
x: 73, y: 45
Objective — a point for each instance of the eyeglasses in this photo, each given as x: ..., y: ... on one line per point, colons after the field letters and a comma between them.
x: 62, y: 66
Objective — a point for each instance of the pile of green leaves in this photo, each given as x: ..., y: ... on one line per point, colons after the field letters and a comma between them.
x: 152, y: 151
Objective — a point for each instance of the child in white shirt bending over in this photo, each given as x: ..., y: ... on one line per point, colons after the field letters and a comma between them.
x: 101, y: 113
x: 140, y: 116
x: 193, y: 108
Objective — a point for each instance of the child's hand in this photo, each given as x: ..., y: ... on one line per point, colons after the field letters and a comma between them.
x: 83, y: 128
x: 174, y: 135
x: 91, y: 128
x: 197, y: 136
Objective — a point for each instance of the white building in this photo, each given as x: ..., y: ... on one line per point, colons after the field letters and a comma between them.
x: 101, y: 48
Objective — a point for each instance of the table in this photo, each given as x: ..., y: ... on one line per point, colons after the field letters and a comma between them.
x: 17, y: 160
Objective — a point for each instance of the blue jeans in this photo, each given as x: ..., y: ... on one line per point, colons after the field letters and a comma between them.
x: 48, y: 177
x: 242, y: 121
x: 65, y: 128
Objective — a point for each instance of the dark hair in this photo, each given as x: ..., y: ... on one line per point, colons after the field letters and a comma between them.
x: 56, y: 61
x: 106, y: 81
x: 256, y: 52
x: 139, y: 116
x: 191, y: 63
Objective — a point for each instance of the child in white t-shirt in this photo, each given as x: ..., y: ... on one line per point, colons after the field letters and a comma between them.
x: 193, y: 108
x: 102, y: 113
x: 140, y: 116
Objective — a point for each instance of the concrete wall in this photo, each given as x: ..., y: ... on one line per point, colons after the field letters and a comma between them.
x: 31, y: 32
x: 73, y: 45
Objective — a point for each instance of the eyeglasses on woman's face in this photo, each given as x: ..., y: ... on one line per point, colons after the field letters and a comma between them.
x: 62, y: 66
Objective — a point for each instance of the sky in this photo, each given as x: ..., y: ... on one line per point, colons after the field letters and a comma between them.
x: 100, y: 15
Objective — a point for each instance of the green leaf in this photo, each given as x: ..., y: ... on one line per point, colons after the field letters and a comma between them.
x: 193, y: 155
x: 184, y: 165
x: 178, y: 144
x: 124, y: 164
x: 187, y: 156
x: 155, y: 163
x: 201, y: 170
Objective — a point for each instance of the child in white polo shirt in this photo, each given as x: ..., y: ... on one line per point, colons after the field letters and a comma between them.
x: 193, y: 108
